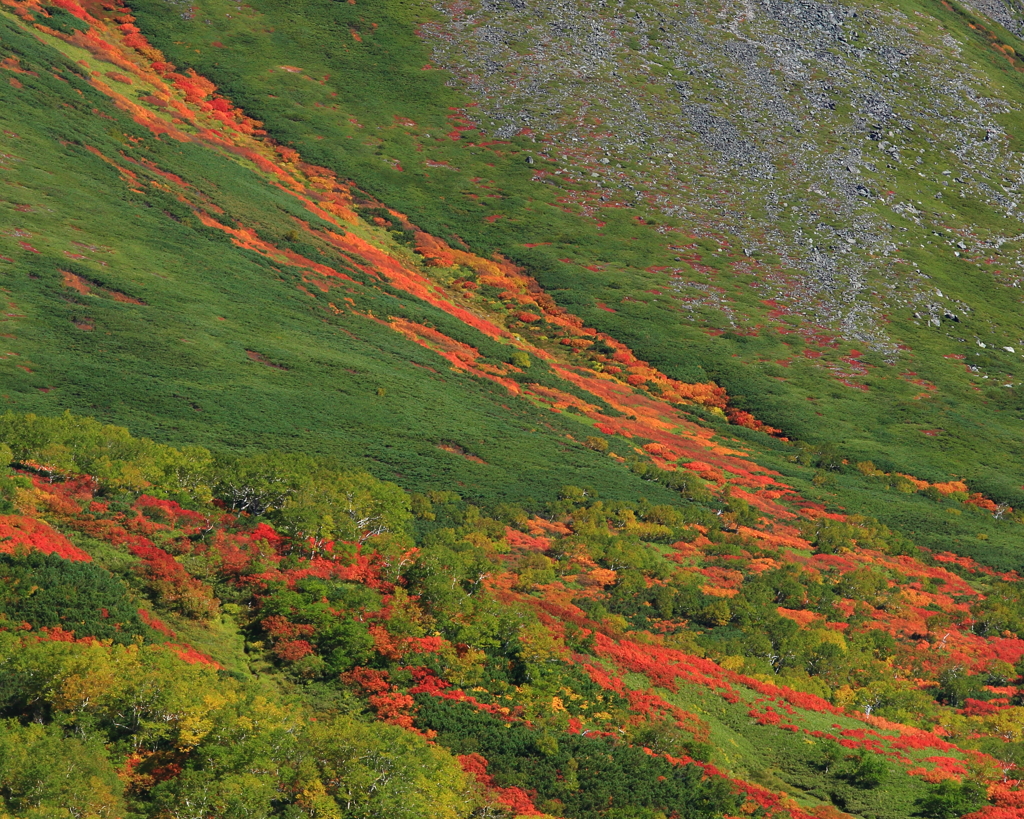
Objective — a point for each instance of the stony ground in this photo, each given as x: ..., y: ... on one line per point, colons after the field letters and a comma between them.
x: 827, y: 136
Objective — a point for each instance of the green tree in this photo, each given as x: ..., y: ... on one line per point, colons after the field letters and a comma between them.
x: 257, y: 484
x: 869, y: 771
x: 43, y: 773
x: 352, y: 507
x: 956, y: 686
x: 950, y: 799
x: 350, y: 770
x: 69, y: 444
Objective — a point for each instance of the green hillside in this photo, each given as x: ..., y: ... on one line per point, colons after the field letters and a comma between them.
x: 557, y: 384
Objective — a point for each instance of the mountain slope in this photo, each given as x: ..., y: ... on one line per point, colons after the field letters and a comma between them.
x: 603, y: 660
x: 801, y: 119
x: 289, y: 225
x: 692, y: 333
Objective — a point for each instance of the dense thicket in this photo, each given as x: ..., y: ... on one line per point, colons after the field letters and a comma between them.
x: 211, y: 645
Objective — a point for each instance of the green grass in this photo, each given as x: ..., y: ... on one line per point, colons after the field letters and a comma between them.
x: 177, y: 368
x: 975, y: 443
x: 787, y: 762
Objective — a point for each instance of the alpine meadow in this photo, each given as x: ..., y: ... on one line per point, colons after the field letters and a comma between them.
x: 477, y: 409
